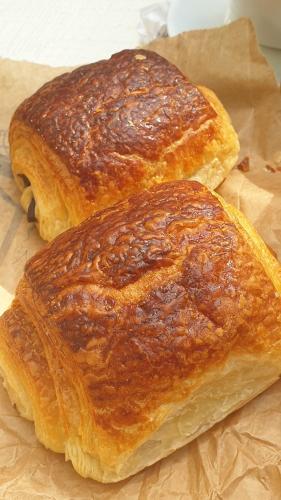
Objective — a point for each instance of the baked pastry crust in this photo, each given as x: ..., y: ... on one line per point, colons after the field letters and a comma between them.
x: 94, y: 136
x: 141, y: 328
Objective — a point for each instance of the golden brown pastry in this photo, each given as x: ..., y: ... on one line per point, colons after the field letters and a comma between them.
x: 94, y: 136
x: 136, y: 331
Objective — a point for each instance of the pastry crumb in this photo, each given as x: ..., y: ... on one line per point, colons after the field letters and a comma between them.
x: 269, y: 168
x: 244, y: 165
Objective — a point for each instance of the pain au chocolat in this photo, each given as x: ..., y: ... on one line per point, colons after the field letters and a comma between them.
x: 139, y: 329
x: 97, y: 135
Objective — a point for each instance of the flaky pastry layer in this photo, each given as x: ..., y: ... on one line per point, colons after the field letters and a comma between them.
x: 142, y: 327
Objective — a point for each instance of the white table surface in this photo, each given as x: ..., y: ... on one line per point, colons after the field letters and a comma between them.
x: 73, y: 32
x: 67, y: 32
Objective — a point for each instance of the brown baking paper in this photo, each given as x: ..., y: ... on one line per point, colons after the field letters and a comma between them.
x: 240, y: 458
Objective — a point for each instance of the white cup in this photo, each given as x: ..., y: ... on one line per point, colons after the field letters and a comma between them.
x: 266, y: 15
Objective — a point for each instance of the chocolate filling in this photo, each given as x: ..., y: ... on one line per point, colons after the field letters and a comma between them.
x: 31, y: 211
x: 26, y: 181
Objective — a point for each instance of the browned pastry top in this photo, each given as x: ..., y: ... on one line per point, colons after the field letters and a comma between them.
x: 101, y: 119
x: 151, y: 291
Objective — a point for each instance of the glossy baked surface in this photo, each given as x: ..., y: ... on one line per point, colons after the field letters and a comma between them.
x: 109, y: 129
x: 96, y: 117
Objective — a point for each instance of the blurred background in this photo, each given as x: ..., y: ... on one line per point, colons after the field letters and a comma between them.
x: 73, y: 32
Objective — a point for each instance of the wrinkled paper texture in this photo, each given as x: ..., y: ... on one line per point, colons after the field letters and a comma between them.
x: 240, y: 458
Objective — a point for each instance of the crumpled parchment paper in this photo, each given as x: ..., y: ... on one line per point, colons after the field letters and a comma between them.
x: 240, y: 458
